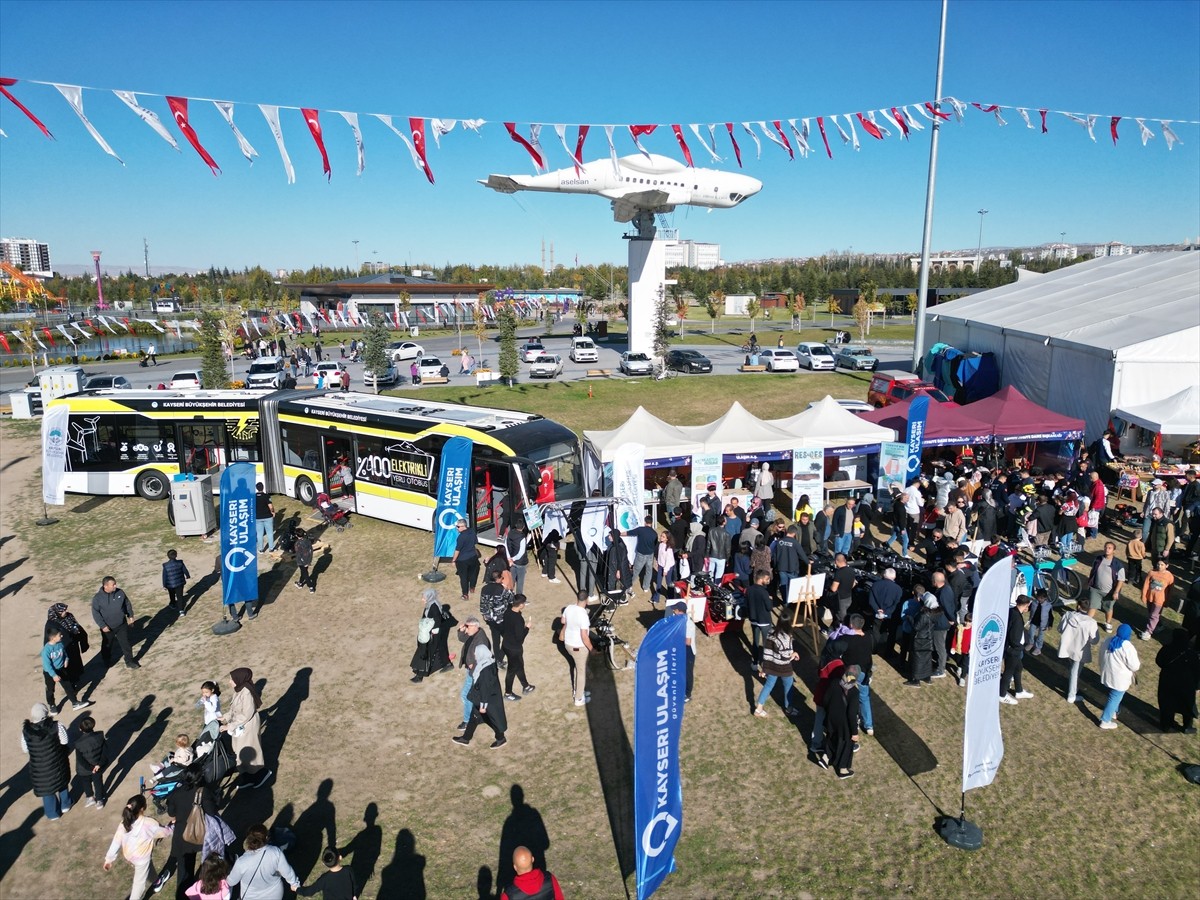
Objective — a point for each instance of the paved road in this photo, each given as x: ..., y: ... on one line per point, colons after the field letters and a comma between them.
x: 725, y: 361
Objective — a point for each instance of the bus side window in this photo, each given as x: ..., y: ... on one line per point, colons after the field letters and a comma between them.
x: 301, y: 447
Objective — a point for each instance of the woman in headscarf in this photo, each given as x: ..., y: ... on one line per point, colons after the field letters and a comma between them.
x: 433, y: 655
x: 841, y: 721
x: 243, y: 725
x: 75, y: 639
x: 618, y: 572
x: 1117, y: 669
x: 487, y: 699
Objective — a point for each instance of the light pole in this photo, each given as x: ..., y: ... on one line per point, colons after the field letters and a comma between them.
x: 357, y: 264
x: 979, y: 249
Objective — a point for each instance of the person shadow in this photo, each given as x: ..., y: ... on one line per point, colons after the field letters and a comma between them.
x: 404, y: 877
x: 278, y: 717
x: 365, y: 847
x: 524, y: 827
x: 316, y: 829
x: 14, y: 841
x: 483, y: 884
x: 321, y: 565
x: 141, y: 746
x: 150, y: 629
x: 244, y: 806
x: 614, y: 764
x: 199, y: 588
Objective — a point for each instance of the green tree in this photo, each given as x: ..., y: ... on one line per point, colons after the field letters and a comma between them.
x: 753, y: 311
x: 911, y: 302
x: 862, y: 309
x: 714, y: 305
x: 375, y: 357
x: 662, y: 327
x: 796, y: 308
x: 510, y: 361
x: 214, y: 374
x: 480, y: 325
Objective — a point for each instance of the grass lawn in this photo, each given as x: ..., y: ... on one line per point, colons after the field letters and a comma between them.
x: 686, y: 400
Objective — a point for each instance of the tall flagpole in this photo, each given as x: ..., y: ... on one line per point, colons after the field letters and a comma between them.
x: 926, y: 235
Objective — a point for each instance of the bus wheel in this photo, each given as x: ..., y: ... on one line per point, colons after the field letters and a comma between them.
x: 152, y: 485
x: 306, y: 491
x: 171, y: 512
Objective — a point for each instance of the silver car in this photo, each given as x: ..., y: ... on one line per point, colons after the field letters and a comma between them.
x: 636, y: 363
x: 548, y: 365
x: 858, y: 358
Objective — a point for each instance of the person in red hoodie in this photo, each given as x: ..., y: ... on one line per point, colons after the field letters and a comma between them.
x: 530, y: 883
x: 830, y: 673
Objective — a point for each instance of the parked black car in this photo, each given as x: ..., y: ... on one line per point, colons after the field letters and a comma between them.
x: 688, y: 361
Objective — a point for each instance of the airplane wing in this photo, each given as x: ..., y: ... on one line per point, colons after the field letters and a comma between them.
x: 502, y: 183
x: 625, y: 209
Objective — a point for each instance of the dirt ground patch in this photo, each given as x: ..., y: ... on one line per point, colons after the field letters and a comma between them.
x: 365, y: 758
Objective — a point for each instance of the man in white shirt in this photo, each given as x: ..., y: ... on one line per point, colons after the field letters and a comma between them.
x: 577, y: 639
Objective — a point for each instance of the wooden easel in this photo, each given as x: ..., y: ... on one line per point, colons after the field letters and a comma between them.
x: 805, y: 613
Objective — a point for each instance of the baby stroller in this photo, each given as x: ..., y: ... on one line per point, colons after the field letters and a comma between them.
x: 211, y: 761
x: 332, y: 513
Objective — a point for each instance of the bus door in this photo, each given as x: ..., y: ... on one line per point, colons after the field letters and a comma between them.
x: 202, y: 448
x: 337, y: 449
x: 500, y: 492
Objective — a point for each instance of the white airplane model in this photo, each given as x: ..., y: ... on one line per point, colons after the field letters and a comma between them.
x: 645, y: 185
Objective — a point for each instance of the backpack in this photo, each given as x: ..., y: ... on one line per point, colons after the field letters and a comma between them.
x: 425, y: 629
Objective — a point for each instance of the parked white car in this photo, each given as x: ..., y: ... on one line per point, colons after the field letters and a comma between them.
x: 636, y: 363
x: 332, y: 370
x: 531, y: 350
x: 548, y: 365
x: 431, y: 367
x: 779, y: 360
x: 187, y: 380
x: 399, y: 350
x: 813, y: 355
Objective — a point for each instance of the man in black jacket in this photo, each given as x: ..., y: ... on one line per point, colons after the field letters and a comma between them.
x: 113, y: 612
x: 1014, y: 652
x: 885, y: 598
x: 948, y: 601
x: 785, y: 557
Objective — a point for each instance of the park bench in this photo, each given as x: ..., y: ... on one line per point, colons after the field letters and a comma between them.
x: 750, y: 368
x: 599, y: 373
x: 434, y: 379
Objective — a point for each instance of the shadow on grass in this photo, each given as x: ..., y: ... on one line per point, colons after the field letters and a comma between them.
x: 14, y: 841
x: 316, y: 829
x: 92, y: 503
x: 145, y: 741
x: 524, y: 827
x: 15, y: 588
x: 366, y: 847
x: 614, y: 761
x: 404, y: 877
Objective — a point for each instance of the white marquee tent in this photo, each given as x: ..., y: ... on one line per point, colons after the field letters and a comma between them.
x: 1087, y: 339
x: 739, y: 431
x: 829, y: 424
x: 661, y: 439
x: 1178, y: 414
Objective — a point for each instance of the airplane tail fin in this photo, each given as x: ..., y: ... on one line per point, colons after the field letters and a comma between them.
x: 502, y: 183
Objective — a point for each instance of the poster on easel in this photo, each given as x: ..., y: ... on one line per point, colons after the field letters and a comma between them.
x: 892, y: 459
x: 706, y: 470
x: 808, y: 476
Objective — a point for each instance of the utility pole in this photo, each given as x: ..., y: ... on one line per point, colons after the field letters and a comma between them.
x: 357, y: 264
x: 979, y: 249
x: 146, y: 253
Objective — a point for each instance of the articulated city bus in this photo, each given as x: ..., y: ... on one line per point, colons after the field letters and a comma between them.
x: 126, y: 442
x: 133, y: 442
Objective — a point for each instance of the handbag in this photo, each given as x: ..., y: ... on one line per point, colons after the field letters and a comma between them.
x: 196, y: 828
x: 683, y: 567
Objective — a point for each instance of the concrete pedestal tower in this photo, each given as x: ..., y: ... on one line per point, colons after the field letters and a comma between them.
x: 647, y: 274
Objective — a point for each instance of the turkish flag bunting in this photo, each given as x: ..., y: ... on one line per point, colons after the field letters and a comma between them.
x: 417, y: 127
x: 687, y: 154
x: 1112, y: 127
x: 583, y: 132
x: 1043, y: 114
x: 991, y: 108
x: 49, y: 336
x: 899, y: 117
x: 937, y: 112
x: 538, y: 159
x: 179, y: 109
x: 4, y: 342
x: 821, y: 126
x: 5, y: 84
x: 130, y: 327
x: 870, y: 127
x: 737, y: 151
x: 783, y: 137
x: 636, y: 131
x: 313, y: 121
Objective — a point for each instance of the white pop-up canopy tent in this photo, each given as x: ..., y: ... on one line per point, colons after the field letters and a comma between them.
x: 1084, y: 340
x: 829, y: 424
x: 739, y: 431
x: 1178, y: 414
x: 661, y: 439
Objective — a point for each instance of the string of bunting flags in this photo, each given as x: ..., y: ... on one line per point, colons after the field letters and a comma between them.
x: 792, y: 135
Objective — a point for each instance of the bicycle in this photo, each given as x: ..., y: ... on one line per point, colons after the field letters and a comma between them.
x: 662, y: 371
x: 1063, y: 584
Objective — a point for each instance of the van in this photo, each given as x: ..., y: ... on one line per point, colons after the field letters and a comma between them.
x: 815, y: 357
x: 583, y: 350
x: 167, y: 306
x: 265, y: 372
x: 890, y: 387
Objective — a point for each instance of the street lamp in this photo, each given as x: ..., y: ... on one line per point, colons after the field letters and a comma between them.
x: 357, y: 264
x: 979, y: 249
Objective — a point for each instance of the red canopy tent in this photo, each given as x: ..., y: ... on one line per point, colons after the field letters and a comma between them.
x: 945, y: 423
x: 1014, y: 417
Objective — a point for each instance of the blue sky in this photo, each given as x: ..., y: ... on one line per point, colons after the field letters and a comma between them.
x: 596, y: 63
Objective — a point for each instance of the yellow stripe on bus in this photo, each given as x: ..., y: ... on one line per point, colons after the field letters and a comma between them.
x: 479, y: 437
x: 366, y: 487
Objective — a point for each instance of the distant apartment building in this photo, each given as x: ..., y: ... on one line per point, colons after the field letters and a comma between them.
x: 692, y: 255
x: 30, y: 256
x: 1112, y: 248
x: 1060, y: 252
